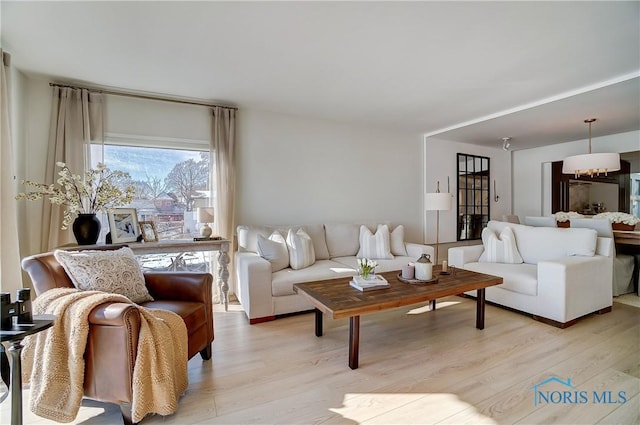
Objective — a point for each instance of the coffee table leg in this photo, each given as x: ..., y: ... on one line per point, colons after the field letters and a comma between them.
x: 318, y: 322
x: 354, y: 341
x: 480, y: 309
x: 432, y: 304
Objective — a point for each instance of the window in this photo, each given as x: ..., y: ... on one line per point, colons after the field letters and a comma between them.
x: 170, y: 183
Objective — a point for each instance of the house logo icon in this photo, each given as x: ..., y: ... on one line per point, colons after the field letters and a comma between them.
x: 570, y: 394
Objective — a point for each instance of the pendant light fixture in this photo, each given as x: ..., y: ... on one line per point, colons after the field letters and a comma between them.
x: 592, y: 163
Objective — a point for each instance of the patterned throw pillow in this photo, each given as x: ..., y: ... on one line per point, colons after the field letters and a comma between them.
x: 274, y: 250
x: 113, y: 271
x: 376, y: 247
x: 500, y: 249
x: 301, y: 252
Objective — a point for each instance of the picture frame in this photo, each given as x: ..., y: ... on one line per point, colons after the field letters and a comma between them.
x: 123, y: 225
x: 149, y: 232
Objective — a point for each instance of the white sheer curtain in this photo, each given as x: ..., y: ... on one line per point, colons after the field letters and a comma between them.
x: 223, y: 142
x: 76, y: 120
x: 10, y: 276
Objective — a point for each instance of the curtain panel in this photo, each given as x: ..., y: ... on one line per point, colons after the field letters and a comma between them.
x: 223, y: 155
x: 76, y: 121
x: 10, y: 275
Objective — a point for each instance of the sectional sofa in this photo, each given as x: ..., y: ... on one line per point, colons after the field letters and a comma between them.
x: 555, y: 274
x: 265, y: 283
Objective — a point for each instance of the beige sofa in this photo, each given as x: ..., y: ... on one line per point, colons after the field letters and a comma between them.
x: 564, y: 273
x: 266, y: 294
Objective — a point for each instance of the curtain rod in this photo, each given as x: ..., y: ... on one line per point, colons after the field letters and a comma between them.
x: 143, y: 96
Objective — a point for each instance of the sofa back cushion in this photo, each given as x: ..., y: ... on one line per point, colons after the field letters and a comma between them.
x: 549, y: 243
x: 316, y: 232
x: 248, y: 237
x: 342, y: 239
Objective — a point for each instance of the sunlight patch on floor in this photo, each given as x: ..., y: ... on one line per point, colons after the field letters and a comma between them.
x: 628, y: 299
x: 233, y: 307
x: 426, y: 308
x: 385, y: 408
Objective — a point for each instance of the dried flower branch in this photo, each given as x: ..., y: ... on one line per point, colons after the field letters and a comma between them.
x: 98, y: 190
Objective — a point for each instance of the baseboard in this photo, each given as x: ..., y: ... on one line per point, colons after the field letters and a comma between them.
x: 261, y: 320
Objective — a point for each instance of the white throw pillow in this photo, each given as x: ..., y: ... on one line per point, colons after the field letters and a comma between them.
x: 274, y: 250
x: 301, y: 253
x: 397, y: 241
x: 114, y: 271
x: 500, y: 249
x: 376, y: 246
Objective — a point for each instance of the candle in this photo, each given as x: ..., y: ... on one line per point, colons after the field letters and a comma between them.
x: 445, y: 267
x: 408, y: 271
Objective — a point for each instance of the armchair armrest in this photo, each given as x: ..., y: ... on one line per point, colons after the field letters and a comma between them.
x: 115, y: 314
x: 416, y: 250
x: 460, y: 255
x: 111, y: 351
x: 180, y: 286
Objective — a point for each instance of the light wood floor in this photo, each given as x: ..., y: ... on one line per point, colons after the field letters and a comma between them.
x: 420, y: 368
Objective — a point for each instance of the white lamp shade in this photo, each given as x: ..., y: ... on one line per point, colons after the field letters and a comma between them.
x: 205, y: 214
x: 591, y: 163
x: 437, y: 201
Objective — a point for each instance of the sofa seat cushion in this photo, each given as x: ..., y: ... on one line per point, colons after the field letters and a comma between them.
x: 521, y: 278
x: 383, y: 265
x: 282, y: 281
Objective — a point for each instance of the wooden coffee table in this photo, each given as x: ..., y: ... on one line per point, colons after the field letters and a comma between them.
x: 339, y: 300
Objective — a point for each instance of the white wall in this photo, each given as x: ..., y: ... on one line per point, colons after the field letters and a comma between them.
x: 530, y: 183
x: 291, y: 169
x: 301, y: 170
x: 441, y: 163
x: 151, y: 118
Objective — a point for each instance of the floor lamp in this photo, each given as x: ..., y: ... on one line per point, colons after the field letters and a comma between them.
x: 437, y: 202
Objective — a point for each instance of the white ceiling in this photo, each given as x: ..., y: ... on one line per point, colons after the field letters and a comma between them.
x: 417, y: 66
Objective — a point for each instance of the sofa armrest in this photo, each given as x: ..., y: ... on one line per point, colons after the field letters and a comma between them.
x: 572, y: 287
x: 253, y: 277
x: 416, y: 250
x: 180, y: 286
x: 460, y: 255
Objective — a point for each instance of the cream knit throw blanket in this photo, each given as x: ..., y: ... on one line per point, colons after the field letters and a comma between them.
x: 53, y: 360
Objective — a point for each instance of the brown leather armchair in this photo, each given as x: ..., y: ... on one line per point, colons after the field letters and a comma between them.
x: 113, y: 336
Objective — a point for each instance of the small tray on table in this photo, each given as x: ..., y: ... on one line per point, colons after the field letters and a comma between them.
x: 433, y: 280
